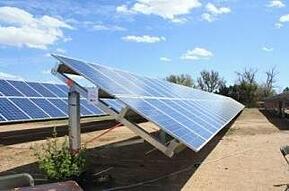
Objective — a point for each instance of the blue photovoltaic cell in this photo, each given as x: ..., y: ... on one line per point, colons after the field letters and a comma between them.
x: 192, y: 116
x: 63, y: 88
x: 55, y: 90
x: 92, y: 108
x: 10, y: 111
x: 8, y: 90
x: 61, y: 104
x: 114, y: 104
x: 41, y: 89
x: 52, y: 110
x: 24, y: 88
x: 1, y: 118
x: 29, y: 108
x: 84, y: 110
x: 19, y: 92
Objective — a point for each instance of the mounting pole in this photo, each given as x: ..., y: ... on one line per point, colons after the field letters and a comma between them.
x: 74, y: 121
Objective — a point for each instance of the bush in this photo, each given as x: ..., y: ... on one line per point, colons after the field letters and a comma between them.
x: 56, y: 160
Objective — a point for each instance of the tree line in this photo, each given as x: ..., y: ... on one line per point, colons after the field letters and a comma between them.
x: 246, y: 88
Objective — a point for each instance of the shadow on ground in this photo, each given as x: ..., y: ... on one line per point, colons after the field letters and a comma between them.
x: 28, y: 135
x: 129, y: 164
x: 277, y: 121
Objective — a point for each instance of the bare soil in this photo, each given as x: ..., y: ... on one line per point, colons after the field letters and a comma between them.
x: 243, y: 156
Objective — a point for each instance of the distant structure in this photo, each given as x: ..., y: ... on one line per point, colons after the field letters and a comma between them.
x: 278, y: 104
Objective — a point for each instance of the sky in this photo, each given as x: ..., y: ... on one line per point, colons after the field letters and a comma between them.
x: 148, y: 37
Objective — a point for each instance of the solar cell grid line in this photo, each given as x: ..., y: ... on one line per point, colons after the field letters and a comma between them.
x: 113, y: 104
x: 8, y: 90
x: 29, y: 108
x: 178, y: 118
x: 167, y: 123
x: 93, y: 76
x: 116, y: 81
x: 84, y: 110
x: 209, y: 105
x: 64, y: 88
x: 59, y: 103
x: 54, y: 89
x: 120, y: 79
x: 10, y: 111
x: 91, y: 108
x: 155, y: 84
x: 144, y: 85
x: 49, y: 108
x: 2, y: 118
x: 192, y: 125
x: 211, y: 112
x: 41, y: 89
x: 206, y: 115
x: 220, y: 108
x: 25, y: 89
x: 193, y: 113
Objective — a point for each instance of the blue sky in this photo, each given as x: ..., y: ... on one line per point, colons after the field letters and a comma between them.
x: 149, y: 37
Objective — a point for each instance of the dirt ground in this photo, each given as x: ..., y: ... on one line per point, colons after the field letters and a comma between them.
x: 243, y: 156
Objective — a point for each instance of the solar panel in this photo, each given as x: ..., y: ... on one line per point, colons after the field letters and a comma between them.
x: 114, y: 104
x: 61, y: 104
x: 10, y: 111
x: 91, y: 107
x: 8, y: 90
x: 25, y: 89
x: 26, y: 101
x: 55, y: 90
x: 191, y: 116
x: 52, y: 110
x: 41, y: 89
x: 29, y: 108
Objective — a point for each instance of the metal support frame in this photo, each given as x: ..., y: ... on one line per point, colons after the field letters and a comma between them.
x: 74, y: 119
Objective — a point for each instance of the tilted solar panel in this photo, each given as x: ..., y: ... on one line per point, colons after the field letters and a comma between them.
x: 26, y: 101
x: 191, y: 116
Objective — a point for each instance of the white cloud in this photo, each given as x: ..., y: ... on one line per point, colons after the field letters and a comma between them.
x: 276, y: 4
x: 20, y: 28
x: 167, y: 9
x: 144, y: 39
x: 60, y: 50
x: 212, y: 12
x: 101, y: 27
x: 9, y: 76
x: 46, y: 72
x: 197, y: 54
x: 283, y: 19
x: 165, y: 59
x: 267, y: 49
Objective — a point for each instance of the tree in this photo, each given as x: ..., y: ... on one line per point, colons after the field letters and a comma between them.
x: 269, y: 84
x: 286, y: 89
x: 247, y: 87
x: 210, y: 81
x: 248, y: 76
x: 183, y: 79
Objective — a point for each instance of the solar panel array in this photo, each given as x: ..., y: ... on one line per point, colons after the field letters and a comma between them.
x: 24, y: 101
x: 191, y: 116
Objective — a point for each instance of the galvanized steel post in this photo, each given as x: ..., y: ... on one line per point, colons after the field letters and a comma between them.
x: 74, y: 121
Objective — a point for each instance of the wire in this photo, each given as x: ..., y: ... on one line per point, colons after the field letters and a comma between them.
x: 98, y: 136
x: 173, y: 173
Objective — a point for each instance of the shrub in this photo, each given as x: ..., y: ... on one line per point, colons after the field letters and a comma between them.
x: 57, y: 161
